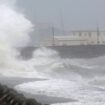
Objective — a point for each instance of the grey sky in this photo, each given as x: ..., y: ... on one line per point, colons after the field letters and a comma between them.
x: 77, y: 14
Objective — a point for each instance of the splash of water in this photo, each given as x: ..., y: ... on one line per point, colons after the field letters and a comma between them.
x: 14, y: 27
x: 14, y: 30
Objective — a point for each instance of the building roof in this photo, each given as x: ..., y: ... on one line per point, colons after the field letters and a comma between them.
x: 87, y: 30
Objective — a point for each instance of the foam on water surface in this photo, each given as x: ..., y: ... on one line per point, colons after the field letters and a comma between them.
x: 80, y: 103
x: 80, y: 91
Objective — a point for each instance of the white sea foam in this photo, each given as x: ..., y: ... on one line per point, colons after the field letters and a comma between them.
x: 80, y: 91
x: 80, y: 103
x: 54, y: 87
x: 47, y: 61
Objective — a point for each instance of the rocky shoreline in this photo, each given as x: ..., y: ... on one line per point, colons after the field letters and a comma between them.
x: 11, y: 82
x: 9, y: 96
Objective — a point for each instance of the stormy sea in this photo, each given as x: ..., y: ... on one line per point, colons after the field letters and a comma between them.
x: 52, y: 75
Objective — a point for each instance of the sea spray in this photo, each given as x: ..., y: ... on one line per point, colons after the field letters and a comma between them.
x: 14, y: 27
x: 14, y: 31
x: 48, y: 62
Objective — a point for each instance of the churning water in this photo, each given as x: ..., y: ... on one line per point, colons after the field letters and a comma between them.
x: 80, y: 79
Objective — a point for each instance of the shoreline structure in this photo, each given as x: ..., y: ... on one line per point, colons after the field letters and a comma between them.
x: 8, y: 96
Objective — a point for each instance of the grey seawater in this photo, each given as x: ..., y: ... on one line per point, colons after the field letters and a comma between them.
x: 77, y: 52
x: 12, y: 82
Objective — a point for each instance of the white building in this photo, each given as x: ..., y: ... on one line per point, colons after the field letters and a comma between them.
x: 78, y: 38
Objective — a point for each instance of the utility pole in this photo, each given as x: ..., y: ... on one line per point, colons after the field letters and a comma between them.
x: 53, y: 36
x: 98, y: 34
x: 62, y: 21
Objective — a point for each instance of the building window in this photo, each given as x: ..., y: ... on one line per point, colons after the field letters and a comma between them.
x: 89, y: 34
x: 74, y: 33
x: 85, y: 34
x: 98, y: 42
x: 80, y: 33
x: 92, y: 42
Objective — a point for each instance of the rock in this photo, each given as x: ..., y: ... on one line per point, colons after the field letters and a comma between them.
x: 9, y: 96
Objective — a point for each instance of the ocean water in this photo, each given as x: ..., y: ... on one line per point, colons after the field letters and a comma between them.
x: 79, y: 79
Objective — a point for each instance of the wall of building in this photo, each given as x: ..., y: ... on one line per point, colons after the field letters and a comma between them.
x: 78, y: 38
x: 102, y: 37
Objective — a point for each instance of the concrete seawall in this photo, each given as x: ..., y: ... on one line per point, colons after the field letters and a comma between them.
x: 89, y: 51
